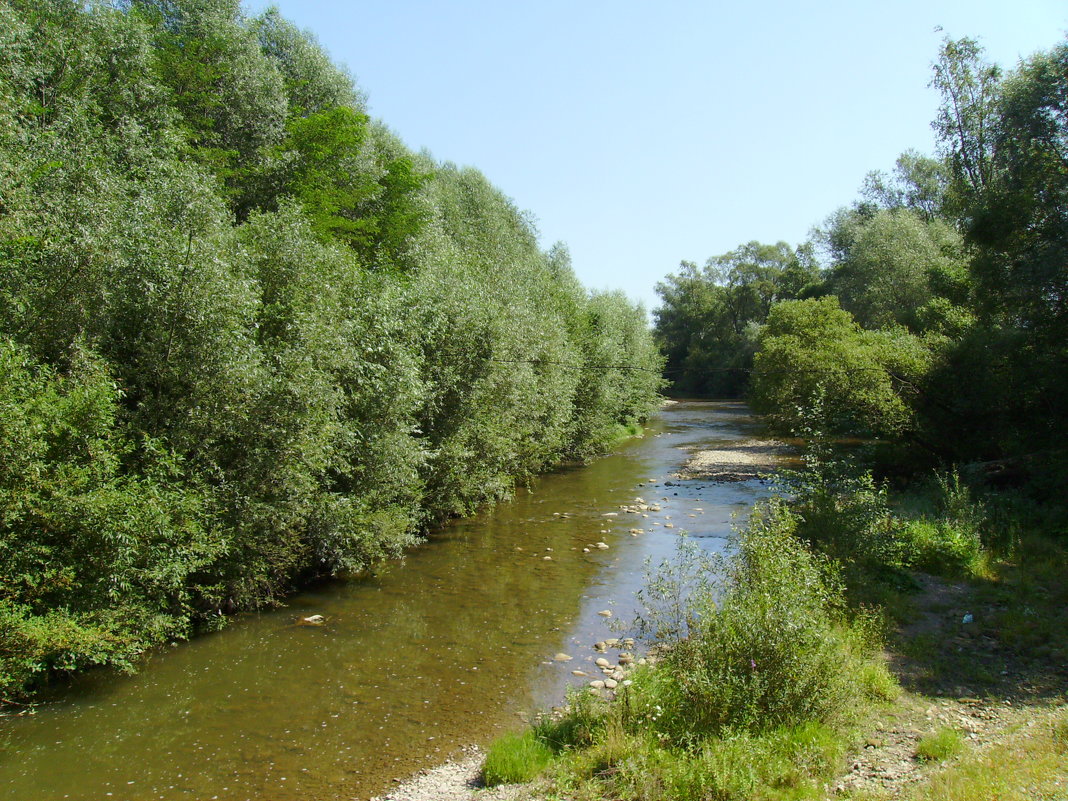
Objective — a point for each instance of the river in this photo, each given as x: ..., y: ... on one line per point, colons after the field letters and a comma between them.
x: 446, y: 647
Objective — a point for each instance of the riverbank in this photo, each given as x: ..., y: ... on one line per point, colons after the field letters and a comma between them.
x: 973, y: 702
x: 443, y: 649
x: 746, y: 460
x: 989, y: 720
x: 458, y: 780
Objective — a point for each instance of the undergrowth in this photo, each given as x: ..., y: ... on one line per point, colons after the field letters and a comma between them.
x: 755, y: 696
x: 770, y: 661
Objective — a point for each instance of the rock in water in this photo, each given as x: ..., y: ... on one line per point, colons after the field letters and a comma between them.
x: 562, y: 657
x: 313, y: 620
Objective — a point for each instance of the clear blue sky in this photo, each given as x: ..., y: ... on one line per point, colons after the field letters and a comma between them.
x: 641, y: 134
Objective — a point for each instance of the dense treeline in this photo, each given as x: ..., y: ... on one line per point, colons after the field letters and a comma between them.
x: 246, y: 335
x: 937, y: 314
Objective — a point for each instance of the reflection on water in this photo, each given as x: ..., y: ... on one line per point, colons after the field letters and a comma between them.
x: 439, y: 650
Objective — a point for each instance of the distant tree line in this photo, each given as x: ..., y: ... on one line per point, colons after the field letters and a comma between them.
x: 937, y: 312
x: 246, y: 335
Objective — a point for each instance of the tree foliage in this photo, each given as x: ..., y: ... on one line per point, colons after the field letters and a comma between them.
x: 709, y: 316
x: 941, y: 314
x: 246, y: 335
x: 813, y: 356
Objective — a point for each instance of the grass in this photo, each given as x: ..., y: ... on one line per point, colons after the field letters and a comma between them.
x: 1030, y: 764
x: 940, y: 746
x: 516, y: 758
x: 777, y: 765
x: 776, y: 673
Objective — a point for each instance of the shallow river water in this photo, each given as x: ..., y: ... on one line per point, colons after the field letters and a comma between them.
x: 441, y: 649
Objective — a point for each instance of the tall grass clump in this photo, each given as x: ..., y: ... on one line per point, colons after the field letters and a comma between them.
x: 516, y: 757
x: 940, y: 745
x: 950, y: 538
x: 846, y: 514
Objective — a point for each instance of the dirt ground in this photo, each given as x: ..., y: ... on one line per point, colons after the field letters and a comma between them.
x: 956, y: 673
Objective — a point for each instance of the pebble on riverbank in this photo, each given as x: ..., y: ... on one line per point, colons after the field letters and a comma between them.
x: 456, y: 780
x: 741, y: 461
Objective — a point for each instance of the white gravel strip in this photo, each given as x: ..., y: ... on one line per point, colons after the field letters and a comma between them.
x: 739, y: 461
x: 456, y: 780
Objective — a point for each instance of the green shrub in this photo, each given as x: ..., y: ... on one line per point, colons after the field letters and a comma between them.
x: 948, y: 537
x: 94, y: 563
x: 762, y: 673
x: 773, y: 650
x: 939, y: 547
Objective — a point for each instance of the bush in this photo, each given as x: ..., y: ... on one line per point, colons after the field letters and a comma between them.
x: 761, y: 676
x: 94, y: 563
x: 773, y: 650
x: 939, y: 547
x: 948, y: 540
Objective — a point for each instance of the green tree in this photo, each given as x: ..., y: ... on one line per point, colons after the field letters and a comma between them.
x: 891, y: 264
x: 313, y: 83
x: 709, y: 317
x: 815, y: 359
x: 918, y: 183
x: 1011, y: 163
x: 967, y: 118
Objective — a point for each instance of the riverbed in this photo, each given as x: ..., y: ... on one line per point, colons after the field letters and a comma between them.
x: 446, y: 647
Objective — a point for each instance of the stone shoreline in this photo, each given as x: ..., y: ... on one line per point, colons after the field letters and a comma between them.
x: 744, y: 460
x: 457, y: 780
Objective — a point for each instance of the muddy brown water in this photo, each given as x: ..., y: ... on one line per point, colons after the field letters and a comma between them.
x: 443, y: 648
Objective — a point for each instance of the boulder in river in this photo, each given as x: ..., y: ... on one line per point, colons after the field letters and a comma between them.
x: 562, y: 657
x: 312, y: 620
